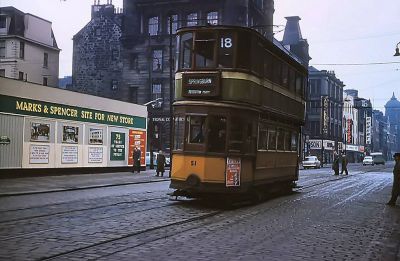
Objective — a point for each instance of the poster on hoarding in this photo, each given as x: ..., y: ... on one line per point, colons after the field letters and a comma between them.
x: 137, y: 138
x: 95, y: 155
x: 233, y: 167
x: 69, y: 154
x: 39, y: 154
x: 117, y: 148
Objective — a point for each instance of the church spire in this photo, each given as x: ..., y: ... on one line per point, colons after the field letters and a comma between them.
x: 393, y: 97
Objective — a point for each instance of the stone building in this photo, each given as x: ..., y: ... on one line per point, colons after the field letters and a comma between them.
x: 379, y: 133
x: 97, y: 63
x: 324, y: 113
x: 28, y: 48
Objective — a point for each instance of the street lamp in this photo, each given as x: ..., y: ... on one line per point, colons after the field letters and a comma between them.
x: 397, y: 50
x: 154, y: 103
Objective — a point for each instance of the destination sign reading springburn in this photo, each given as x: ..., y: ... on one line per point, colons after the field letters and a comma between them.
x: 201, y: 84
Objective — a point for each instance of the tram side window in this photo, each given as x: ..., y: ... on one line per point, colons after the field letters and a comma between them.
x: 256, y: 59
x: 262, y: 137
x: 225, y: 51
x: 196, y: 129
x: 204, y: 50
x: 294, y: 141
x: 285, y: 75
x: 187, y: 47
x: 179, y: 132
x: 267, y: 65
x: 271, y: 139
x: 280, y: 138
x: 235, y: 135
x: 299, y: 81
x: 277, y: 71
x: 292, y: 79
x: 288, y: 141
x: 216, y: 133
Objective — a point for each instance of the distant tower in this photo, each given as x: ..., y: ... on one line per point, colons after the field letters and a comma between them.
x: 293, y: 40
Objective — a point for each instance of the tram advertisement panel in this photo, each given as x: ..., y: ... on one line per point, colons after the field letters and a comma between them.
x: 233, y: 166
x: 137, y: 139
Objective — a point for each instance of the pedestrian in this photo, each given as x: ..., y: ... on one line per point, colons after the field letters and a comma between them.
x: 335, y: 164
x: 396, y: 180
x: 160, y: 163
x: 136, y: 159
x: 344, y: 164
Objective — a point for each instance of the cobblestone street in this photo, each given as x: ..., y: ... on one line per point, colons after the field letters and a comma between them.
x: 326, y: 218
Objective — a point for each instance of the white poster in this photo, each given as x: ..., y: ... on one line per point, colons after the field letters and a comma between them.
x: 69, y: 154
x: 95, y: 154
x: 39, y: 154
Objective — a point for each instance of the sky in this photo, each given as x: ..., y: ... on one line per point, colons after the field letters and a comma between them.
x: 339, y: 32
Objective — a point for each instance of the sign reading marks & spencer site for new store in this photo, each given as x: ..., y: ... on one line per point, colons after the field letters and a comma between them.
x: 23, y: 106
x: 201, y: 84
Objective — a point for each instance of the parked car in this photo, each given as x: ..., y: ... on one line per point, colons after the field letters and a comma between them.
x: 154, y: 158
x: 167, y: 159
x: 368, y: 160
x: 311, y: 162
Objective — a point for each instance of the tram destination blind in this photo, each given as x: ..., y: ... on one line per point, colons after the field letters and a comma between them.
x: 201, y: 85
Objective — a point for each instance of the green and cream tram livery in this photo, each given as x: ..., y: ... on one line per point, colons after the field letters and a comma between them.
x: 239, y: 105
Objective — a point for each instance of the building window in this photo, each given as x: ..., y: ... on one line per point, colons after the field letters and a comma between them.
x: 156, y: 94
x: 45, y: 60
x: 21, y: 76
x: 98, y: 32
x: 212, y: 18
x: 153, y: 25
x: 45, y: 81
x: 133, y: 61
x: 157, y: 60
x: 174, y: 23
x: 21, y: 50
x: 2, y: 49
x: 192, y: 19
x: 2, y: 72
x: 114, y: 85
x: 115, y: 54
x: 3, y: 21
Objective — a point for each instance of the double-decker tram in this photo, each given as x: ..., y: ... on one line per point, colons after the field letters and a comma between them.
x: 239, y: 105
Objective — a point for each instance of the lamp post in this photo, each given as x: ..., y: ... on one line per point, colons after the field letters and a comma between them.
x: 153, y: 104
x: 397, y: 50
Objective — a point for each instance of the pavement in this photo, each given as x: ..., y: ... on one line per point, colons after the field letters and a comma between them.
x: 42, y: 184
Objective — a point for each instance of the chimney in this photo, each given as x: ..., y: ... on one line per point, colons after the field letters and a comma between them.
x: 294, y: 41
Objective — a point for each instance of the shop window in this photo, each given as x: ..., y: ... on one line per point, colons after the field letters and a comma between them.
x: 179, y: 131
x: 216, y: 133
x: 204, y: 50
x: 196, y: 129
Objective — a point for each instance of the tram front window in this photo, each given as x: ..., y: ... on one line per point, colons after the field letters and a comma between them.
x: 216, y: 134
x: 196, y: 129
x: 187, y: 46
x: 204, y: 50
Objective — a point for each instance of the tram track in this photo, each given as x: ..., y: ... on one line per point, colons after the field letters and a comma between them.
x: 138, y: 233
x: 69, y: 211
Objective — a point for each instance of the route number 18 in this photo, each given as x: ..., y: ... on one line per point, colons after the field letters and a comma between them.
x: 226, y: 42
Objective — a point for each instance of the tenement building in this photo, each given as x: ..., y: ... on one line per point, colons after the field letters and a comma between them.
x: 324, y: 114
x: 28, y: 48
x: 144, y: 64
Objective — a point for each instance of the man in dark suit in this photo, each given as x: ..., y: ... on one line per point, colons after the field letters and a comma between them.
x: 396, y: 180
x: 136, y: 159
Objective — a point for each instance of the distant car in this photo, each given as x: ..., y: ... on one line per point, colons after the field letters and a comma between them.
x: 368, y: 160
x: 378, y: 158
x: 311, y: 162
